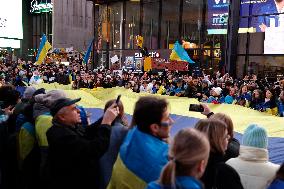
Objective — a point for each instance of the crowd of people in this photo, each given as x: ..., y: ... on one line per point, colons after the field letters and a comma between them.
x: 250, y: 91
x: 47, y: 141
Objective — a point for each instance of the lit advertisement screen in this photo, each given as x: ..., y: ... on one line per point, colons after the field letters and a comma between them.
x: 11, y: 19
x: 10, y: 43
x: 267, y: 18
x: 257, y: 8
x: 217, y: 16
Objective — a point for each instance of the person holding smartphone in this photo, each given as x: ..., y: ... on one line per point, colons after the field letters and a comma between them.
x: 74, y: 152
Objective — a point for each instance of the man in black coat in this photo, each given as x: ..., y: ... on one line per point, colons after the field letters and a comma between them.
x: 74, y: 152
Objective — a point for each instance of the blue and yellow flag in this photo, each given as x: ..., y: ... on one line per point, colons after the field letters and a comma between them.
x: 43, y: 49
x: 179, y: 54
x: 94, y: 100
x: 140, y: 161
x: 87, y: 55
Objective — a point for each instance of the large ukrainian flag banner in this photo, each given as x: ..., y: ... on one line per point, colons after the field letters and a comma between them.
x: 179, y: 54
x: 129, y: 171
x: 43, y: 49
x: 95, y: 99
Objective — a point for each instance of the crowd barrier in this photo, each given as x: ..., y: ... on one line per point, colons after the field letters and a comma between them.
x: 95, y: 99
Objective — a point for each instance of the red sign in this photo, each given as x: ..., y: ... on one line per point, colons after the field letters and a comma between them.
x: 161, y: 64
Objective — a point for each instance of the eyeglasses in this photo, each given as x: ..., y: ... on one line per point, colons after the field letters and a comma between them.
x: 167, y: 124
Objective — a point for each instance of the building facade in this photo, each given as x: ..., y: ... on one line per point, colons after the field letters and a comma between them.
x: 161, y: 23
x: 223, y: 34
x: 66, y: 23
x: 72, y: 24
x: 239, y: 36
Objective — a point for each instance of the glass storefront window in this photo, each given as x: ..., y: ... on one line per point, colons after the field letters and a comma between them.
x: 150, y: 23
x: 205, y: 49
x: 170, y: 22
x: 115, y: 14
x: 132, y: 24
x: 260, y: 37
x: 264, y: 66
x: 191, y: 20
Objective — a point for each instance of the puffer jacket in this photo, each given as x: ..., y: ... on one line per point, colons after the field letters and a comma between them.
x: 255, y: 170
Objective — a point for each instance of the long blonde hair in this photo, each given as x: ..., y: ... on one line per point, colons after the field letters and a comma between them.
x: 226, y: 119
x: 215, y: 131
x: 189, y: 147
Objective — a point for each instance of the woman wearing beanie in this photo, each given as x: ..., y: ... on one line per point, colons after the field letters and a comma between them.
x: 218, y: 174
x: 189, y: 155
x: 253, y: 163
x: 278, y: 182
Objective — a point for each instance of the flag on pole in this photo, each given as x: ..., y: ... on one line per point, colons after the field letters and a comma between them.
x: 44, y: 47
x: 87, y: 55
x: 179, y: 54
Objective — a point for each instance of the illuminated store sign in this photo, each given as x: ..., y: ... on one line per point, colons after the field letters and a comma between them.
x: 218, y: 16
x: 41, y: 7
x: 152, y: 54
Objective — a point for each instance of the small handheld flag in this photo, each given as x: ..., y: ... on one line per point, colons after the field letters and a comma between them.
x: 43, y: 49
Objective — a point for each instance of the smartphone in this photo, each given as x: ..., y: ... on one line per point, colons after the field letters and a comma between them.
x: 196, y: 108
x: 118, y: 99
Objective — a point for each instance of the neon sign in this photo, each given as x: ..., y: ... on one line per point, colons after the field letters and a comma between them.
x: 41, y: 7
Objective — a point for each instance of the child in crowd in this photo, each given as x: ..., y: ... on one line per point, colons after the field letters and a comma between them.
x: 161, y: 89
x: 215, y: 97
x: 188, y: 154
x: 171, y: 89
x: 230, y: 98
x: 244, y: 96
x: 179, y: 91
x: 257, y: 100
x: 270, y: 102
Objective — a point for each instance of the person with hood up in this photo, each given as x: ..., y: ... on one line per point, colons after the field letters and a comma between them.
x: 43, y: 121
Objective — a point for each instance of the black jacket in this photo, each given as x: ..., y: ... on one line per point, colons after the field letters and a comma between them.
x: 191, y: 92
x: 219, y: 175
x: 233, y: 149
x: 74, y: 154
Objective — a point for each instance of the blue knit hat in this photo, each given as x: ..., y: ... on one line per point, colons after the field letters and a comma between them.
x: 255, y: 136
